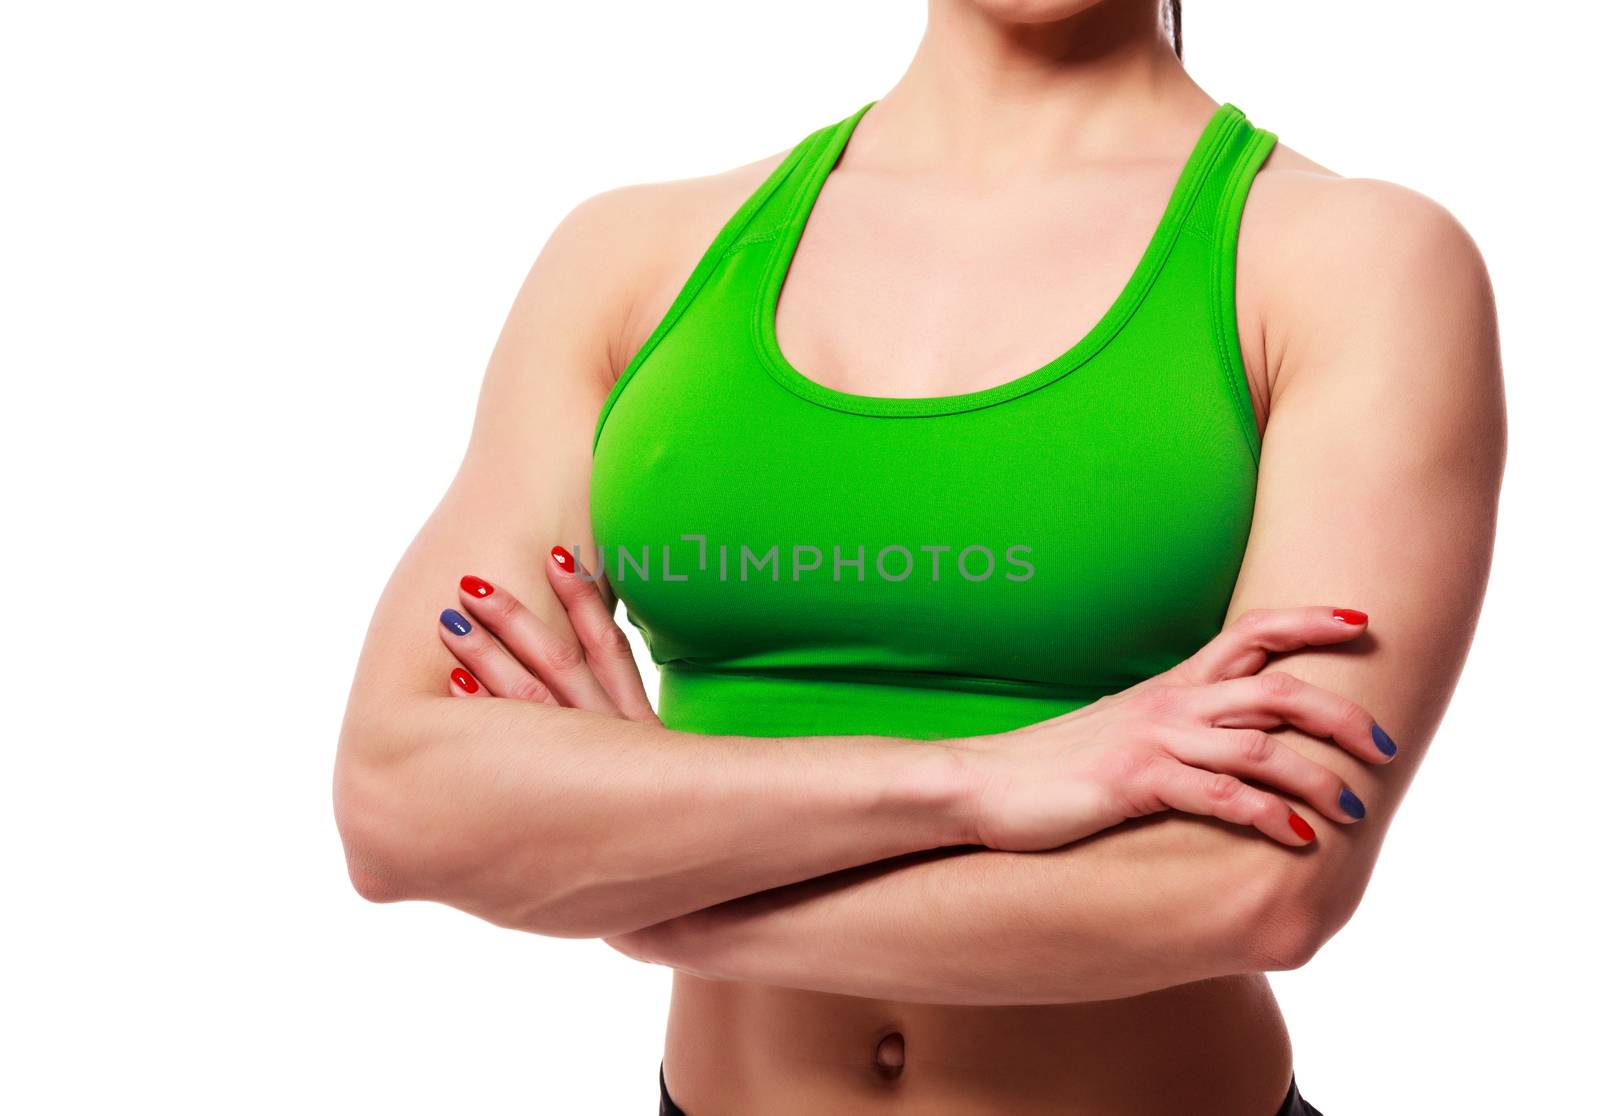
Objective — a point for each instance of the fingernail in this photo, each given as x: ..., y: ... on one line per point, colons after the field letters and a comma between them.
x: 476, y: 586
x: 1301, y: 829
x: 1382, y: 739
x: 1350, y: 615
x: 563, y: 558
x: 464, y: 680
x: 1350, y: 804
x: 456, y: 622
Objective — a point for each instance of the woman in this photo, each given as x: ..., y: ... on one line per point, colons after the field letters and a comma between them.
x: 1010, y: 581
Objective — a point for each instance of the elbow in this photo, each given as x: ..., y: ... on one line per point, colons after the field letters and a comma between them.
x: 380, y: 822
x: 372, y: 883
x: 380, y: 870
x: 405, y: 840
x: 394, y: 852
x: 1300, y: 915
x: 375, y: 876
x: 399, y: 846
x: 1289, y: 939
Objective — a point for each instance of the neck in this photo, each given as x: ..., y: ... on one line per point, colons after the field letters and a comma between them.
x: 997, y: 97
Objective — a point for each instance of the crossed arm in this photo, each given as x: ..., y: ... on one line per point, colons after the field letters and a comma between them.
x: 1378, y: 487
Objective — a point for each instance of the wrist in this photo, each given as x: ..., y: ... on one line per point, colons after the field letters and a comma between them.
x: 952, y: 778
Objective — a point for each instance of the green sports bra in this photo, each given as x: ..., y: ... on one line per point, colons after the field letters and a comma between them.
x: 802, y: 560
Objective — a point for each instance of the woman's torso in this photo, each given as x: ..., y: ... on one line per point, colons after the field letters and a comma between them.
x: 805, y: 559
x: 1215, y: 1048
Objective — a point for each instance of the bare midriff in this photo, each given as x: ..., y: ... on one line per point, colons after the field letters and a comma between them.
x: 1213, y: 1047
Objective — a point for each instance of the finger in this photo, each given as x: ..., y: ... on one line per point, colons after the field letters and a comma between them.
x: 1258, y: 755
x: 1242, y: 647
x: 463, y: 685
x: 1218, y: 795
x: 555, y: 660
x: 605, y: 644
x: 1275, y: 697
x: 490, y: 664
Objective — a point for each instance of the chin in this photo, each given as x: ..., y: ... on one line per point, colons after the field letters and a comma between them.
x: 1033, y: 11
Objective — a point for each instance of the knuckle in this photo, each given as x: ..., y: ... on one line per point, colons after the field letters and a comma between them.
x: 612, y: 640
x: 1252, y: 620
x: 528, y: 689
x: 1134, y: 778
x: 1223, y: 789
x: 1263, y: 806
x: 1349, y: 714
x: 1130, y: 766
x: 1279, y: 684
x: 562, y: 656
x: 502, y: 608
x: 1159, y: 701
x: 1256, y: 746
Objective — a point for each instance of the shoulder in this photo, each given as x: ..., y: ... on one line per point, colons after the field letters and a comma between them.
x: 1324, y: 228
x: 602, y: 280
x: 1340, y: 264
x: 630, y: 248
x: 648, y: 220
x: 1368, y: 300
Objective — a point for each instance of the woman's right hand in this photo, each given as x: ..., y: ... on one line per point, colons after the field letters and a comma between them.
x: 1183, y: 740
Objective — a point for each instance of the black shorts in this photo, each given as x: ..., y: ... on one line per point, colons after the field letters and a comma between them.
x: 1293, y: 1104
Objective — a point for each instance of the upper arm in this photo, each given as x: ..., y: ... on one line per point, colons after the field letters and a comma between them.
x: 602, y: 282
x: 523, y: 484
x: 1378, y: 484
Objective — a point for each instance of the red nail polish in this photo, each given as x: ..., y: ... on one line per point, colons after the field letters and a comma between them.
x: 476, y: 586
x: 1350, y: 615
x: 1301, y: 829
x: 464, y: 680
x: 563, y: 558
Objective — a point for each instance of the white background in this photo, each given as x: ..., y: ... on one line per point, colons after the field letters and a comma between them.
x: 253, y: 261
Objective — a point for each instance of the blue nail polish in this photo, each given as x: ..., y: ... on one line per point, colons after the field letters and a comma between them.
x: 1350, y: 804
x: 1381, y: 739
x: 456, y: 622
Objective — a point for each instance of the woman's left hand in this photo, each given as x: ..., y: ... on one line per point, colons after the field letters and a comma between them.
x: 506, y: 651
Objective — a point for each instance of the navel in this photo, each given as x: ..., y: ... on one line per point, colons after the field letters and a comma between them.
x: 889, y: 1059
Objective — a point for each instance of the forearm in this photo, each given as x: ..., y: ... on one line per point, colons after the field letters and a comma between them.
x: 1144, y: 906
x: 564, y: 822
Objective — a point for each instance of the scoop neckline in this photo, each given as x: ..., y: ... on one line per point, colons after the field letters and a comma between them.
x: 833, y: 142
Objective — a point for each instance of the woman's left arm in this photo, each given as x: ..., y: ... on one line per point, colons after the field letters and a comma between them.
x: 1378, y: 487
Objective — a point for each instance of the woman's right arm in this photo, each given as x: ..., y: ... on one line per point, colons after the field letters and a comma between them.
x: 561, y: 821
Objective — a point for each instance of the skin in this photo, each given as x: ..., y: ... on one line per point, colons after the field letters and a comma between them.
x: 853, y: 922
